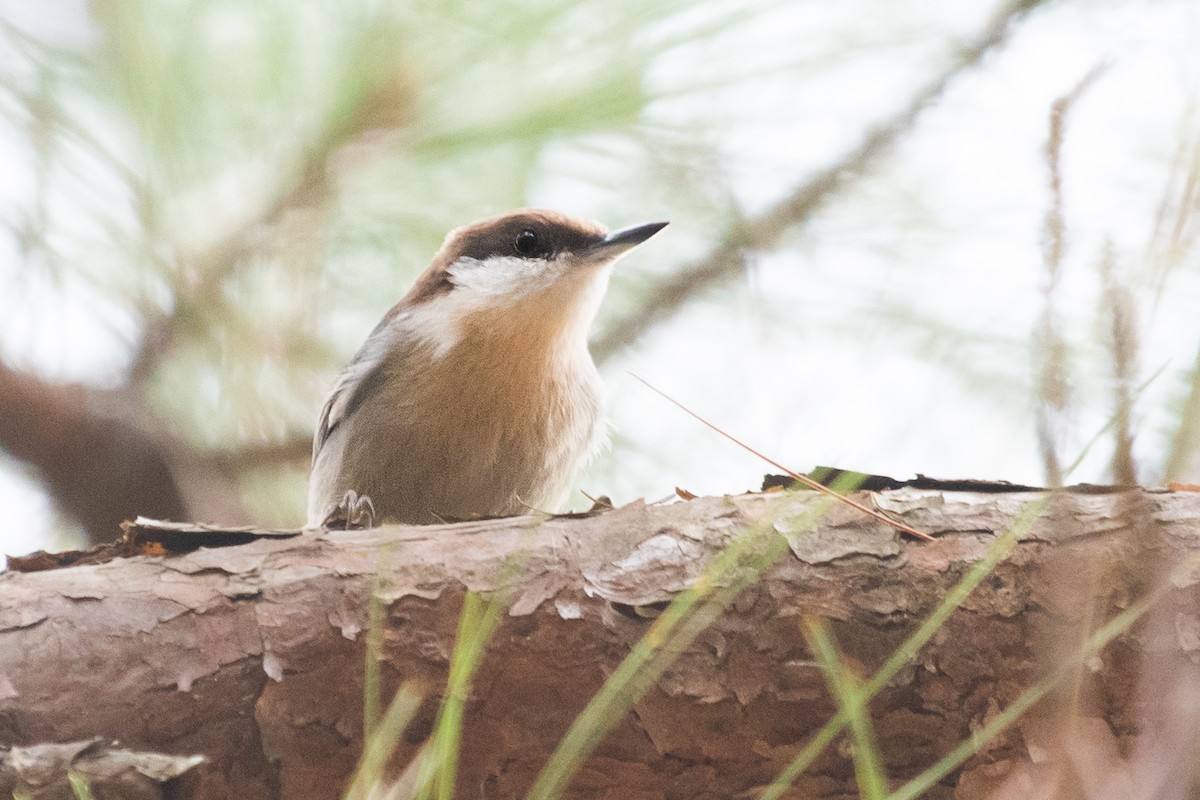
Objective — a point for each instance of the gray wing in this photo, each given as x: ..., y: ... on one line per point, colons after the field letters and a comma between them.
x: 360, y: 379
x: 356, y: 383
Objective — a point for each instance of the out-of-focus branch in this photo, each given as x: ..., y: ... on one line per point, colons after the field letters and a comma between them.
x: 380, y: 104
x: 99, y: 454
x: 100, y: 469
x: 259, y: 455
x: 671, y: 293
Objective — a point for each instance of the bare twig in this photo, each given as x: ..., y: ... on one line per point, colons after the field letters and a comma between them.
x: 1176, y: 219
x: 1050, y: 348
x: 1187, y: 433
x: 796, y: 476
x: 1119, y: 307
x: 725, y: 260
x: 1180, y: 212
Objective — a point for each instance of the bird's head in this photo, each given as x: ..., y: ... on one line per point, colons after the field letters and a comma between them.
x: 526, y: 268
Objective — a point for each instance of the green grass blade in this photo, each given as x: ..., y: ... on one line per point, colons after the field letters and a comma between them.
x: 438, y: 768
x: 81, y: 787
x: 908, y: 649
x: 476, y: 626
x: 852, y: 700
x: 434, y: 771
x: 379, y: 746
x: 1000, y: 722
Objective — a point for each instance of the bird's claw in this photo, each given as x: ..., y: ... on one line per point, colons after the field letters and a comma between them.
x: 355, y: 511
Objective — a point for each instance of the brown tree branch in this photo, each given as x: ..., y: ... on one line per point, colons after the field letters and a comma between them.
x: 672, y: 292
x: 102, y: 466
x: 100, y: 469
x: 252, y: 656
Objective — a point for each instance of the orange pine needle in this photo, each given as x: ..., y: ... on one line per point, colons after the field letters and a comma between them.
x: 807, y: 481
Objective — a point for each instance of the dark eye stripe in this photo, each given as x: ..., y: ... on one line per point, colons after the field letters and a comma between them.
x: 498, y: 237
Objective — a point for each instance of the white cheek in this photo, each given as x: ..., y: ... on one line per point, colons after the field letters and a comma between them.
x: 502, y: 276
x: 546, y: 297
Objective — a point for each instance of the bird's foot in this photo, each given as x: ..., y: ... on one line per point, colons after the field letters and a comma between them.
x: 354, y: 512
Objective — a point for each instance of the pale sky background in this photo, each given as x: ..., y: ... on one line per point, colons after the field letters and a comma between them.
x: 892, y: 333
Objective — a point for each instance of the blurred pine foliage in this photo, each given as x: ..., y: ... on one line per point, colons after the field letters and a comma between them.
x: 210, y: 204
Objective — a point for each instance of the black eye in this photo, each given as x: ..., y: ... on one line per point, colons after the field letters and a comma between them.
x: 529, y: 243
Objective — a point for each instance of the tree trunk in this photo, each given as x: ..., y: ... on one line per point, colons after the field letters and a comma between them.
x: 253, y: 656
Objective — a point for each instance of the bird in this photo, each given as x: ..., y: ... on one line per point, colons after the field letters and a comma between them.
x: 475, y: 395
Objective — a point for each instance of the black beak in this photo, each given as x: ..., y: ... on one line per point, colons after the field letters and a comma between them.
x: 626, y: 238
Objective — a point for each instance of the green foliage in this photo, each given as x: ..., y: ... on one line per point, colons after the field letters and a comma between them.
x: 81, y: 787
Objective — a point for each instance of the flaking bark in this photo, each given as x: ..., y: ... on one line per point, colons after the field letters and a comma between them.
x: 252, y: 656
x: 46, y: 772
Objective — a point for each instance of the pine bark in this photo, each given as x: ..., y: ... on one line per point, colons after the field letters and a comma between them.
x: 253, y: 656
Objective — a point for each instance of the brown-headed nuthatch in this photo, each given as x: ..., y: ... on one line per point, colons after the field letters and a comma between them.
x: 476, y: 393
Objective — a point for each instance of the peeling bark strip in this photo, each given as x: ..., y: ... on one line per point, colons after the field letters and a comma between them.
x: 253, y: 655
x: 44, y: 772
